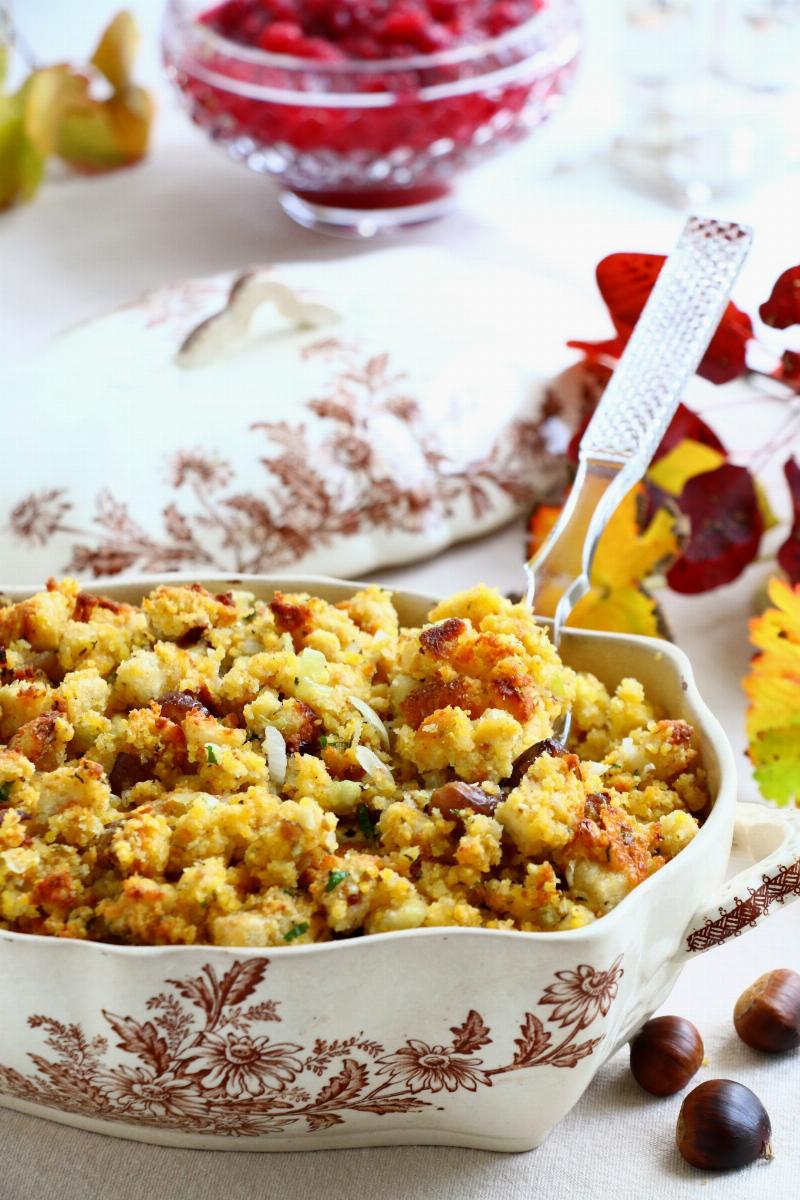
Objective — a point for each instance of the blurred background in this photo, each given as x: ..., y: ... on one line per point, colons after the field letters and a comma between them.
x: 677, y: 103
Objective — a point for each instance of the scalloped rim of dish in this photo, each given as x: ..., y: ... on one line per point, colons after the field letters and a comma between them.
x: 725, y: 795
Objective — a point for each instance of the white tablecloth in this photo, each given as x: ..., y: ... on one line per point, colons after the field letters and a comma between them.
x: 88, y: 244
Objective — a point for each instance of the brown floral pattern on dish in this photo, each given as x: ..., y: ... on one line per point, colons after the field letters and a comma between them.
x: 176, y: 305
x: 743, y: 914
x: 202, y: 1063
x: 315, y: 491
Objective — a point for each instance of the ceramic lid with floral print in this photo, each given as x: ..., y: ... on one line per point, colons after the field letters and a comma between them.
x: 321, y: 416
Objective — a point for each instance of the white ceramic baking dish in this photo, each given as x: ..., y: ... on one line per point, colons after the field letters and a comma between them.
x: 451, y: 1036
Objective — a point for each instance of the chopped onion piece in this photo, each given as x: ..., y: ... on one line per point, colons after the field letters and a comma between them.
x: 597, y: 768
x: 249, y: 645
x: 370, y: 762
x: 14, y: 862
x: 312, y: 665
x: 312, y: 693
x: 369, y: 714
x: 275, y: 747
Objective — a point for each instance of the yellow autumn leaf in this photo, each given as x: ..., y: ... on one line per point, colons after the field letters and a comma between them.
x: 682, y: 463
x: 622, y: 610
x: 773, y: 687
x: 626, y: 556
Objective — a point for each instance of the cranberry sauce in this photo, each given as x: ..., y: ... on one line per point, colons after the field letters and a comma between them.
x: 339, y: 133
x: 334, y: 30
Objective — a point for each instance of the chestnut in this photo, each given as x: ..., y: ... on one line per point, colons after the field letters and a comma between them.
x: 454, y: 797
x: 521, y: 763
x: 722, y: 1125
x: 767, y: 1014
x: 665, y: 1054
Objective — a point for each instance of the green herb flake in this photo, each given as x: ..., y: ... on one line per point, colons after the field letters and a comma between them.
x: 296, y: 931
x: 251, y: 616
x: 365, y: 823
x: 323, y: 741
x: 211, y: 754
x: 5, y: 791
x: 334, y: 879
x: 296, y: 680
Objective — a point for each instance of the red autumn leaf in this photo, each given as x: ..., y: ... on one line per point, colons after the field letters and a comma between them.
x: 783, y: 307
x: 726, y: 529
x: 789, y: 553
x: 625, y: 282
x: 653, y: 499
x: 612, y: 348
x: 726, y: 357
x: 687, y: 424
x: 789, y: 370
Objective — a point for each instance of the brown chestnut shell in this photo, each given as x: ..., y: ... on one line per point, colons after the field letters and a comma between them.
x: 454, y: 797
x: 521, y: 763
x: 722, y: 1125
x: 767, y: 1014
x: 665, y: 1054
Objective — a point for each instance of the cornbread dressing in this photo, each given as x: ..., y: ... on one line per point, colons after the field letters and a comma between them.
x: 221, y: 769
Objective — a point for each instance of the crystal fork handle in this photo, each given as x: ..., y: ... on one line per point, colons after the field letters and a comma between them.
x: 665, y: 349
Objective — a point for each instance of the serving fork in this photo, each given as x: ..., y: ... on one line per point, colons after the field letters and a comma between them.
x: 664, y: 350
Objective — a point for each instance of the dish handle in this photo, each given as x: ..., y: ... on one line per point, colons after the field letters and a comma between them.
x: 230, y: 328
x: 772, y: 837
